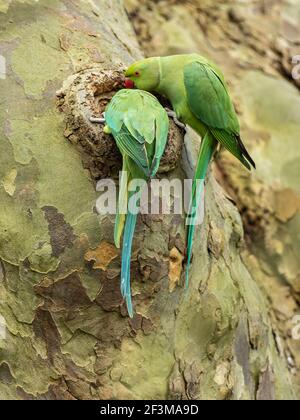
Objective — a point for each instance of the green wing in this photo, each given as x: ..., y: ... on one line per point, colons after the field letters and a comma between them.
x: 210, y: 102
x: 140, y: 126
x: 161, y: 137
x: 135, y: 149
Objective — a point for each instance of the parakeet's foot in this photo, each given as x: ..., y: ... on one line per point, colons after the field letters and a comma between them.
x: 173, y: 115
x: 98, y: 120
x: 107, y: 130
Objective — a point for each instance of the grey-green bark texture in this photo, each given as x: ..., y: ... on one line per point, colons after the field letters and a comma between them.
x: 254, y: 43
x: 67, y: 333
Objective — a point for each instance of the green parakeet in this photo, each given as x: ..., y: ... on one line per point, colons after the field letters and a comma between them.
x: 198, y: 93
x: 140, y: 127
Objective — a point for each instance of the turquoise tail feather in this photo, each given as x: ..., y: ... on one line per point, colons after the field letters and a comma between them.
x: 126, y: 257
x: 207, y: 149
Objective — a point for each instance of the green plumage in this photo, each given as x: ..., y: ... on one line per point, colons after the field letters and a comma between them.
x: 199, y: 96
x: 140, y: 127
x: 207, y: 149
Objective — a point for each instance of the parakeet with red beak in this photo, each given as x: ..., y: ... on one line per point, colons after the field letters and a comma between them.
x: 198, y: 93
x: 140, y: 127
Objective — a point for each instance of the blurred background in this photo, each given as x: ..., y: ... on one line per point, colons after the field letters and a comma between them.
x: 257, y: 45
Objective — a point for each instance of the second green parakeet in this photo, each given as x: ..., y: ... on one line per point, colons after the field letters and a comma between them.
x: 198, y: 93
x: 140, y: 127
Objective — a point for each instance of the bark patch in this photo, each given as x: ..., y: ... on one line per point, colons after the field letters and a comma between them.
x: 61, y: 233
x: 65, y: 294
x: 110, y: 297
x: 266, y: 391
x: 175, y: 268
x: 103, y: 255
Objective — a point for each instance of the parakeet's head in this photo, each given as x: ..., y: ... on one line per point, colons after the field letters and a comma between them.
x: 143, y: 74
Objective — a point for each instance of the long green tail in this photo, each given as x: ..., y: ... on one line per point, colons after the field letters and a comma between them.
x: 207, y: 149
x: 126, y: 257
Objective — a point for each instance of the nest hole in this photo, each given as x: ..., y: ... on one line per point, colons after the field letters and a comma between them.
x: 86, y: 95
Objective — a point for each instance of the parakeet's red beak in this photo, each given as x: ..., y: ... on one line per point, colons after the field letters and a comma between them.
x: 128, y: 84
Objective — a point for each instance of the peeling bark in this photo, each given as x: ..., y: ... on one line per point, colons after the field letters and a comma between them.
x: 67, y: 335
x: 254, y: 43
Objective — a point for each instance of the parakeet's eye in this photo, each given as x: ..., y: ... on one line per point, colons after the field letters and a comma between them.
x: 137, y: 73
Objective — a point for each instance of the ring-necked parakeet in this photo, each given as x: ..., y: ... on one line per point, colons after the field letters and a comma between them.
x: 140, y: 127
x: 198, y: 93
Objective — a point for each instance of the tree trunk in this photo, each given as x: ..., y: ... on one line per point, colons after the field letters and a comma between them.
x: 67, y: 334
x: 257, y: 46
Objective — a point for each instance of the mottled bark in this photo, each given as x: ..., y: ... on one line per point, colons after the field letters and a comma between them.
x: 67, y: 333
x: 255, y: 44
